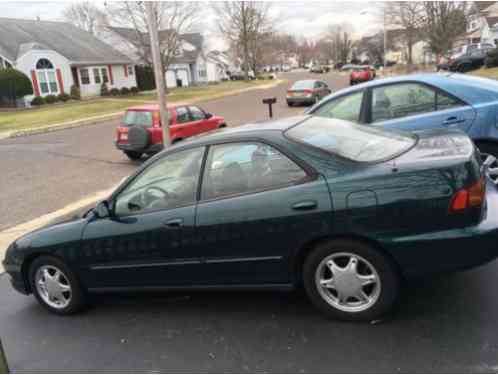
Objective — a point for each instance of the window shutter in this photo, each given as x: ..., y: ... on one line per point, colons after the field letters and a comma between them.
x: 125, y: 70
x: 111, y: 79
x: 35, y: 83
x: 60, y: 81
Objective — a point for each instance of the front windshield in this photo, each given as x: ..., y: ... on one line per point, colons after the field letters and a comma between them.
x: 355, y: 142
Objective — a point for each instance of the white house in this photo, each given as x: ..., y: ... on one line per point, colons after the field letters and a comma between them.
x: 58, y: 55
x: 189, y: 66
x: 482, y: 24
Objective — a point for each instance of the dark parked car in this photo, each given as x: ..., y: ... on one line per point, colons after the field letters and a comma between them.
x: 346, y: 210
x: 471, y: 60
x: 308, y: 91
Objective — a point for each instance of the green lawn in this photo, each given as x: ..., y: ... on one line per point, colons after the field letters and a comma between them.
x: 60, y: 113
x: 208, y: 91
x: 486, y: 73
x: 55, y: 114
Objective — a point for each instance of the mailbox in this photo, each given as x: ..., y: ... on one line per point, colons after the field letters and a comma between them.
x: 270, y: 102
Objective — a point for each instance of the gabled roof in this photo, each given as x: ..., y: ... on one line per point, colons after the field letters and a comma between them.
x: 78, y: 46
x: 140, y: 40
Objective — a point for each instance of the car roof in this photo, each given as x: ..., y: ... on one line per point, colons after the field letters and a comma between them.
x: 471, y: 89
x: 151, y: 107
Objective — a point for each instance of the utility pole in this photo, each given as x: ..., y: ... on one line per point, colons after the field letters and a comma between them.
x: 158, y: 70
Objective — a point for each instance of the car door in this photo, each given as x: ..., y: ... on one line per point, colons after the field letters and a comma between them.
x: 415, y: 107
x: 257, y: 206
x: 147, y: 240
x: 198, y: 119
x: 183, y: 127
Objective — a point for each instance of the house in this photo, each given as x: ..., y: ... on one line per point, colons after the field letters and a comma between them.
x: 190, y: 64
x: 482, y: 24
x: 58, y: 55
x: 397, y: 50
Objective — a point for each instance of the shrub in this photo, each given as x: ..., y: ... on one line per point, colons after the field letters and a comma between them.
x: 492, y: 59
x: 50, y: 99
x: 114, y: 92
x: 124, y: 91
x: 75, y: 92
x: 104, y: 90
x: 38, y: 100
x: 145, y: 78
x: 63, y: 97
x: 134, y: 90
x: 14, y: 84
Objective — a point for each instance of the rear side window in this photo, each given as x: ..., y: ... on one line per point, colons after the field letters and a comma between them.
x: 138, y: 118
x: 355, y: 142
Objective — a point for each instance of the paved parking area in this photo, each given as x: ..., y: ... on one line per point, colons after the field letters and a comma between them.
x: 446, y: 325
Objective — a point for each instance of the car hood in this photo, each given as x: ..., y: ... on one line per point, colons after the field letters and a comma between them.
x: 50, y: 238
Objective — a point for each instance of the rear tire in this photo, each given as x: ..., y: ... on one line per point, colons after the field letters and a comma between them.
x: 133, y: 155
x: 363, y: 286
x: 55, y: 286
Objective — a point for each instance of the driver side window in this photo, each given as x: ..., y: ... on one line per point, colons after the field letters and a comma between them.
x: 168, y: 183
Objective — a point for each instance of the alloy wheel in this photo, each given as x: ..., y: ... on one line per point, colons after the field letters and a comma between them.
x: 348, y: 282
x: 53, y: 287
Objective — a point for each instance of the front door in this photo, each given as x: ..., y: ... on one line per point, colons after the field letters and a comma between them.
x: 257, y: 207
x: 147, y: 241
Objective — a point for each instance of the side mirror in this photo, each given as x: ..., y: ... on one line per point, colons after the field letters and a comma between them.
x: 102, y: 210
x: 208, y: 115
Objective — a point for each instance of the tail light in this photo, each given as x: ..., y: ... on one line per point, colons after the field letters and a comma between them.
x: 156, y: 120
x: 472, y: 196
x: 289, y: 92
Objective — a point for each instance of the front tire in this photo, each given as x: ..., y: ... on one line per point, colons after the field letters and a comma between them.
x: 133, y: 155
x: 349, y: 280
x: 55, y: 286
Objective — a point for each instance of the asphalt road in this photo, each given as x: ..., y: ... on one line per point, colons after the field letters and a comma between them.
x: 45, y: 172
x: 444, y: 325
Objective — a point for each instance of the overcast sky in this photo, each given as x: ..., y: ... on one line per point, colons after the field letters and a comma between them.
x: 301, y: 18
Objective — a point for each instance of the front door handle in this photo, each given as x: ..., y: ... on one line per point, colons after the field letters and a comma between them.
x: 173, y: 223
x: 453, y: 120
x: 305, y: 205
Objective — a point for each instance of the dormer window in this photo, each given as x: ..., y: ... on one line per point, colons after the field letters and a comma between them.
x: 44, y: 64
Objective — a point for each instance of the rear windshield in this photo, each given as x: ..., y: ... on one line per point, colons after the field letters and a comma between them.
x: 359, y: 143
x: 140, y: 118
x: 300, y: 85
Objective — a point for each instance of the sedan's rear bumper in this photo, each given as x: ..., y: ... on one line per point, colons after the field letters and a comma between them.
x: 449, y: 250
x: 300, y: 100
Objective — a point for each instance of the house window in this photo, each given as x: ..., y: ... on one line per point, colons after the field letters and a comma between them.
x: 96, y: 75
x: 105, y: 77
x: 46, y: 77
x: 202, y: 73
x: 85, y: 76
x: 130, y: 70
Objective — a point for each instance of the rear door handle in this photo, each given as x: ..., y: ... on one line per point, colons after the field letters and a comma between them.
x: 304, y: 205
x: 173, y: 223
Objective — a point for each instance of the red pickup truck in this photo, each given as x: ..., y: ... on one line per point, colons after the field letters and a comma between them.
x: 140, y: 130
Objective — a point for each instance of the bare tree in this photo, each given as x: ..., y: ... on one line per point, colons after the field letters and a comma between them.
x: 341, y: 43
x: 408, y: 16
x: 243, y: 24
x: 173, y: 18
x: 305, y: 51
x: 84, y: 15
x: 443, y: 23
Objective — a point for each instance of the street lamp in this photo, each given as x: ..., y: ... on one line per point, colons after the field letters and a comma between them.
x: 366, y: 11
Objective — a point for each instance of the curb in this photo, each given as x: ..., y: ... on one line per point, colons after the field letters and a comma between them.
x: 61, y: 126
x: 98, y: 119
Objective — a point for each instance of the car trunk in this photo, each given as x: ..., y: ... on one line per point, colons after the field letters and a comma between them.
x: 439, y: 180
